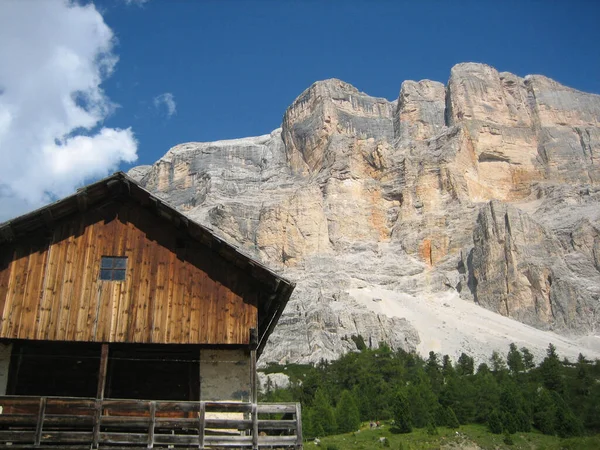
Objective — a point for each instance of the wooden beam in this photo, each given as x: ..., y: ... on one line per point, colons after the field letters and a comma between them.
x: 115, y: 186
x: 253, y: 338
x: 40, y: 421
x: 253, y: 378
x: 102, y: 372
x: 254, y: 393
x: 151, y: 424
x: 7, y: 233
x: 127, y: 186
x: 185, y: 223
x: 97, y: 418
x: 82, y: 200
x: 285, y: 291
x: 201, y: 423
x: 48, y: 218
x: 100, y: 394
x: 298, y: 426
x: 254, y: 427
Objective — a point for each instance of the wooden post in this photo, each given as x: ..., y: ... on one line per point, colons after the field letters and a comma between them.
x: 40, y: 421
x: 254, y: 426
x: 254, y: 386
x: 201, y: 422
x: 100, y: 393
x: 253, y: 378
x: 298, y: 427
x: 102, y: 372
x: 152, y: 424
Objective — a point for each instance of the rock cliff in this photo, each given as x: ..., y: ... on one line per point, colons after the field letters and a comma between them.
x: 402, y: 220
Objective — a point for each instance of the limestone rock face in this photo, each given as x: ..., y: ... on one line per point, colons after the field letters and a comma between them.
x: 494, y: 111
x: 332, y: 112
x: 420, y: 111
x: 568, y: 129
x: 521, y: 269
x: 397, y: 217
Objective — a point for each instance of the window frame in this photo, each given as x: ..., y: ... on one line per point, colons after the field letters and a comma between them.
x: 113, y: 268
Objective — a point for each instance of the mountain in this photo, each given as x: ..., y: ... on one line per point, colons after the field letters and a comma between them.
x: 459, y: 217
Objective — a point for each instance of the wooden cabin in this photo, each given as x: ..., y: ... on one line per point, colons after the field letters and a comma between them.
x: 124, y: 324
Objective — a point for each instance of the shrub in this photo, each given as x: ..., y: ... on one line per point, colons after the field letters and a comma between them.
x: 451, y: 420
x: 494, y: 423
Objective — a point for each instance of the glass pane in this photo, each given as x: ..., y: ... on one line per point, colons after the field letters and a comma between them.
x: 105, y: 274
x: 120, y: 263
x: 106, y: 262
x: 118, y: 275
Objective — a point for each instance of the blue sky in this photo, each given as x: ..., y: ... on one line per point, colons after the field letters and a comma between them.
x: 89, y: 87
x: 234, y: 66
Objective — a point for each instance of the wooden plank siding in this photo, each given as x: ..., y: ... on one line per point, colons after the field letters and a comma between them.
x: 176, y: 290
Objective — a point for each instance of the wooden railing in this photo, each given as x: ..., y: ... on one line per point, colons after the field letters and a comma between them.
x: 66, y: 422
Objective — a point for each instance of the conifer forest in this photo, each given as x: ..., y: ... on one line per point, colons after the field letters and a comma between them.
x: 509, y: 394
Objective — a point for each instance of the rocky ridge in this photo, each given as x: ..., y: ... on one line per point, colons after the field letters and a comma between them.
x: 484, y: 191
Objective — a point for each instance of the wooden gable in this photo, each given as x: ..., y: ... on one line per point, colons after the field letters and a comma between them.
x: 177, y: 289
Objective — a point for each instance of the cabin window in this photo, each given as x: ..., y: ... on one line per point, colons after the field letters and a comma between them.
x: 112, y: 268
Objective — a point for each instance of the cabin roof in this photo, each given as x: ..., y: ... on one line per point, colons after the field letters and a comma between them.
x: 277, y: 290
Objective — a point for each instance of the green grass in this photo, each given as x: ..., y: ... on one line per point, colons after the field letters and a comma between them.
x: 446, y: 438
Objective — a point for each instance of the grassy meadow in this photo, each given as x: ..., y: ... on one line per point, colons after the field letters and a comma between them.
x: 467, y: 437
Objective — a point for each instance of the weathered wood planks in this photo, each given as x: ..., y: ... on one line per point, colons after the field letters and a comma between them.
x: 176, y: 290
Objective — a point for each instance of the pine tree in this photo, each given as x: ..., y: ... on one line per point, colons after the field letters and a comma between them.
x: 431, y: 429
x: 567, y: 424
x: 544, y: 416
x: 460, y: 395
x: 434, y: 371
x: 310, y: 429
x: 322, y: 413
x: 528, y: 362
x: 592, y: 410
x: 347, y: 415
x: 509, y: 399
x: 451, y: 420
x: 514, y: 359
x: 483, y: 369
x: 509, y: 423
x: 465, y: 365
x: 494, y: 423
x: 447, y: 368
x: 523, y: 421
x: 422, y: 402
x: 498, y: 364
x: 487, y: 396
x: 551, y: 371
x: 584, y: 381
x: 402, y: 415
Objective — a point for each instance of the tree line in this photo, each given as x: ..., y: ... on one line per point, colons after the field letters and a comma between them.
x: 509, y: 394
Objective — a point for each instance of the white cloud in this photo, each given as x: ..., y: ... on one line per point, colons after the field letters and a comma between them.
x: 168, y: 101
x: 54, y: 55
